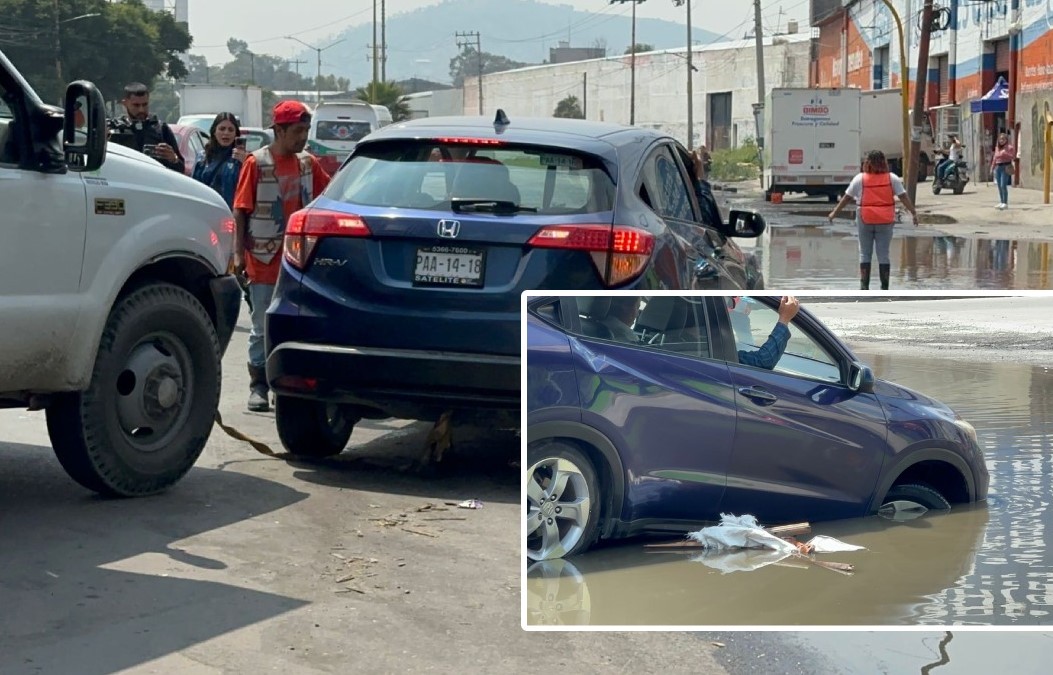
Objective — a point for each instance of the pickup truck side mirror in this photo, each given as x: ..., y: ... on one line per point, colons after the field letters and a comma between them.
x: 84, y: 109
x: 745, y: 224
x: 861, y: 379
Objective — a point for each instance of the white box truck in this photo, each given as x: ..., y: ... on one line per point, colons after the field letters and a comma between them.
x: 812, y: 141
x: 245, y: 101
x: 882, y: 128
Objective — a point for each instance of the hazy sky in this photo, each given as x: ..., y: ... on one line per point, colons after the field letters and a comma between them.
x: 263, y: 22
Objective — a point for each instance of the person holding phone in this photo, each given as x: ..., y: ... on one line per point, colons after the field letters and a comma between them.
x: 220, y: 167
x: 141, y: 131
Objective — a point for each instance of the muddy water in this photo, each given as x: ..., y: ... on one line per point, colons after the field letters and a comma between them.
x: 980, y: 565
x: 827, y: 257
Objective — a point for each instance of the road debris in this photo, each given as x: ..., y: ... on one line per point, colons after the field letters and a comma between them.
x: 470, y: 504
x: 740, y: 544
x: 420, y: 532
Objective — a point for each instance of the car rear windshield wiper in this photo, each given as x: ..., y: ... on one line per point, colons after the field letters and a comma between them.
x: 498, y: 206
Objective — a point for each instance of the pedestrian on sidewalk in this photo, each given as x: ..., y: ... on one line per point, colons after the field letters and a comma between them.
x: 275, y: 181
x: 875, y: 191
x: 1002, y: 166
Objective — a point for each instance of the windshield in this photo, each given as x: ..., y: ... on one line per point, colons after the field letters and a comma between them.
x: 341, y: 130
x: 430, y: 175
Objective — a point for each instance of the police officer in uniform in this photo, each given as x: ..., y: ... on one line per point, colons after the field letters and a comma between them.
x: 139, y: 130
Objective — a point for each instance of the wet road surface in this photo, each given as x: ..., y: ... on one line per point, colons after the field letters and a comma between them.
x: 982, y: 565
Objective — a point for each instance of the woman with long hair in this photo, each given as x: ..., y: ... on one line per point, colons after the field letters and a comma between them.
x: 874, y: 191
x: 221, y: 165
x: 1002, y: 166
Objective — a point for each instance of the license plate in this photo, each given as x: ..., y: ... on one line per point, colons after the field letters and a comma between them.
x: 449, y: 266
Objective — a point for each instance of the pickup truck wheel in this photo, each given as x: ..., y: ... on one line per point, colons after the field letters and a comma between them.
x: 312, y: 428
x: 145, y: 417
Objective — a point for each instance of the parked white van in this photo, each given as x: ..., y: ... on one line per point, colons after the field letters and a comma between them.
x: 337, y: 126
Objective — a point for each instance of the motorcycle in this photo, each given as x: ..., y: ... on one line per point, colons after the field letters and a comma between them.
x: 955, y: 181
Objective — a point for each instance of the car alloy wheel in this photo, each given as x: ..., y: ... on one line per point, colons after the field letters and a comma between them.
x: 561, y: 511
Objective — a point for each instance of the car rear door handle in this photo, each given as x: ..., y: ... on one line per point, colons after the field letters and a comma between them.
x: 758, y: 395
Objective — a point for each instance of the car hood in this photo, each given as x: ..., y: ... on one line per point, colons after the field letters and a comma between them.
x: 890, y: 392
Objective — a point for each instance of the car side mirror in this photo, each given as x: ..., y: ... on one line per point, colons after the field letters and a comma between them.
x: 745, y: 224
x: 84, y: 107
x: 861, y: 379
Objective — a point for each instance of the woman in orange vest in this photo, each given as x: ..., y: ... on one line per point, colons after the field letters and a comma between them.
x: 875, y: 191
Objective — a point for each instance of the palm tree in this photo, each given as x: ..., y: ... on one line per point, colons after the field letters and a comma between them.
x: 387, y: 94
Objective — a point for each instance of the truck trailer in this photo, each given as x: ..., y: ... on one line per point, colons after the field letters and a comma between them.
x: 813, y: 142
x: 245, y: 101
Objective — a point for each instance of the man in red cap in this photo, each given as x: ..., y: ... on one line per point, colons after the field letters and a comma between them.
x: 275, y: 181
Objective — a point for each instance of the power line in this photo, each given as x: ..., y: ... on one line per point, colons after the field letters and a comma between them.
x: 465, y: 43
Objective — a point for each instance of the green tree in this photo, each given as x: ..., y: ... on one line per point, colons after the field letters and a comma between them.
x: 570, y: 108
x: 466, y: 64
x: 387, y: 94
x: 123, y: 42
x: 638, y: 48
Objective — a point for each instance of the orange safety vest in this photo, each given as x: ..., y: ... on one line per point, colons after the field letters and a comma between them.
x: 878, y: 206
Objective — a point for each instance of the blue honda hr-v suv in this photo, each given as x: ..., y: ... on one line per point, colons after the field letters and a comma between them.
x: 399, y: 293
x: 642, y: 414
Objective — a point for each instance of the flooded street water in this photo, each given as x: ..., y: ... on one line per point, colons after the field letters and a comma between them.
x: 980, y: 565
x: 810, y: 257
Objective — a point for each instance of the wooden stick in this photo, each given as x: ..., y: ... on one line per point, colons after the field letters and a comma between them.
x: 426, y: 534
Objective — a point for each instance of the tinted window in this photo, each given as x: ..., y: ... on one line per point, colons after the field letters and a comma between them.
x: 429, y: 175
x: 254, y: 140
x: 668, y: 194
x: 752, y: 323
x: 341, y: 130
x: 666, y: 323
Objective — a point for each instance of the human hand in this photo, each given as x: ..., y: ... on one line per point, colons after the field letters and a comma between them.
x: 239, y: 262
x: 788, y: 308
x: 914, y: 216
x: 830, y: 216
x: 240, y: 154
x: 164, y: 152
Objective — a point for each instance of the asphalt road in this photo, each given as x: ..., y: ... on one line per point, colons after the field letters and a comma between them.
x: 253, y: 564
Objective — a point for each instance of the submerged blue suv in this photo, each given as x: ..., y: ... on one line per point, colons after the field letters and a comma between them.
x: 643, y: 415
x: 399, y: 293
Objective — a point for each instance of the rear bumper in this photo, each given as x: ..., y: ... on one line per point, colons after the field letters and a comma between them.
x: 408, y: 384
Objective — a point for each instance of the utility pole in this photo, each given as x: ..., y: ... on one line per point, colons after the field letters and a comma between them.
x: 690, y: 85
x: 383, y: 41
x: 762, y: 90
x: 920, y: 85
x: 58, y: 47
x: 585, y: 96
x: 465, y: 43
x: 297, y: 63
x: 632, y: 63
x: 318, y: 50
x: 376, y: 65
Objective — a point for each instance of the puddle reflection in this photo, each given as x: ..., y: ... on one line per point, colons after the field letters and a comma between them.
x: 825, y: 257
x: 986, y: 564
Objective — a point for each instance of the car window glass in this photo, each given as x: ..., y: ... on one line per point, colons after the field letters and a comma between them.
x: 668, y: 192
x: 9, y: 147
x: 429, y: 175
x: 664, y: 323
x: 752, y: 322
x: 341, y: 130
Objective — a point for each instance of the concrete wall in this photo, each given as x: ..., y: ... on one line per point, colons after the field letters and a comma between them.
x: 661, y: 85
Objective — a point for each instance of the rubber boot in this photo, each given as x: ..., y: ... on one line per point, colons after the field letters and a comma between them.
x: 259, y: 392
x: 864, y: 276
x: 884, y: 272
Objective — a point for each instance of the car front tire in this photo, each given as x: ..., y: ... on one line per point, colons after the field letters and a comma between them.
x: 919, y: 494
x: 312, y: 428
x: 152, y: 400
x: 563, y: 501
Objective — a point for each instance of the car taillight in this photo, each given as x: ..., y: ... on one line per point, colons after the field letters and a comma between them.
x: 307, y: 226
x: 629, y: 249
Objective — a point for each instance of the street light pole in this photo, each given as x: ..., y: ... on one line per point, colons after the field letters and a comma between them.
x: 318, y: 80
x: 632, y: 63
x: 690, y: 84
x: 904, y: 74
x: 58, y: 40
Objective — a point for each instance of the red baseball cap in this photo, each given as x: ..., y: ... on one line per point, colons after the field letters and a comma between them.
x: 291, y: 112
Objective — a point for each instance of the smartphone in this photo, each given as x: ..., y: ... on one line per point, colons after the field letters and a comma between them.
x: 149, y: 149
x: 239, y: 142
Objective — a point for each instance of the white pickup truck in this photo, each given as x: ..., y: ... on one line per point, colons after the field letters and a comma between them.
x: 115, y: 300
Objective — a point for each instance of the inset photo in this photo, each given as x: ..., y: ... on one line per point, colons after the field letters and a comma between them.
x: 785, y: 461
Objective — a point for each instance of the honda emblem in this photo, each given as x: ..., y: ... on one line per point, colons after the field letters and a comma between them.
x: 449, y: 229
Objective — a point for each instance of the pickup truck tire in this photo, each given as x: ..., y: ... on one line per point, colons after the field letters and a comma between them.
x: 312, y: 428
x: 145, y: 417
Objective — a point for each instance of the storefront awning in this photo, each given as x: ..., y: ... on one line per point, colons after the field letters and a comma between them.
x: 994, y: 101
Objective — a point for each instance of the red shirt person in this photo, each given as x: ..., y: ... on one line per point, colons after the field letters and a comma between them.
x: 275, y: 181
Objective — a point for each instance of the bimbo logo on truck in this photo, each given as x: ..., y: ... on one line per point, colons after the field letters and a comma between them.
x: 816, y: 109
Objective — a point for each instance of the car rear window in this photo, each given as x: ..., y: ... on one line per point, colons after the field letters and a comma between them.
x: 341, y: 130
x: 428, y: 175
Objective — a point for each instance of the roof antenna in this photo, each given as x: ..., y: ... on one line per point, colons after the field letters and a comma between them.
x: 501, y: 120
